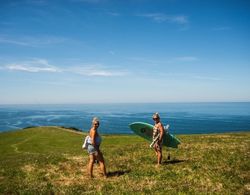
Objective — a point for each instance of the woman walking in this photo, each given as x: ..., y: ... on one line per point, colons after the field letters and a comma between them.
x: 94, y: 149
x: 158, y: 133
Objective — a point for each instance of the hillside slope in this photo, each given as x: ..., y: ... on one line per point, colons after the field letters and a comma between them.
x: 50, y: 160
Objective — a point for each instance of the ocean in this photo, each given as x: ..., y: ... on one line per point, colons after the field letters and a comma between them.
x: 183, y: 118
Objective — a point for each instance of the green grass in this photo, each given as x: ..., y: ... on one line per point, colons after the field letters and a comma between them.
x: 48, y: 160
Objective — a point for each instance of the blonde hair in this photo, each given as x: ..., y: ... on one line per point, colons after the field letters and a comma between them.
x: 95, y: 119
x: 156, y: 115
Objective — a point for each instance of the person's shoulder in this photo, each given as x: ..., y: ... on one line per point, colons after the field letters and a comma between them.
x: 92, y: 130
x: 160, y: 125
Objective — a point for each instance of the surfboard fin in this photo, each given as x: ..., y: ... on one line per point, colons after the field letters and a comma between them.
x: 166, y: 128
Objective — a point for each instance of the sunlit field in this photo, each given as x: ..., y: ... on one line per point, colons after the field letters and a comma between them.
x: 51, y: 160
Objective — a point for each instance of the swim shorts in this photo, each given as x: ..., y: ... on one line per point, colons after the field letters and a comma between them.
x: 92, y: 150
x: 158, y: 146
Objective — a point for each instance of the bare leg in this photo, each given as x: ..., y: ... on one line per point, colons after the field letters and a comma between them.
x: 102, y: 164
x: 159, y: 157
x: 91, y: 164
x: 156, y: 152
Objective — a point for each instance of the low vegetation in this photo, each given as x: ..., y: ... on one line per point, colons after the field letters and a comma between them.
x: 50, y: 160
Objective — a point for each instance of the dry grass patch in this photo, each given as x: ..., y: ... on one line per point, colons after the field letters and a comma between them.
x: 29, y: 168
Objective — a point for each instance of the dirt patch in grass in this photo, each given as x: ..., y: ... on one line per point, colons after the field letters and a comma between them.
x: 247, y: 187
x: 71, y: 172
x: 29, y: 168
x: 1, y: 178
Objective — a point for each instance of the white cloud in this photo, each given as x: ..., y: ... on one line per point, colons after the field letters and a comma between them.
x: 11, y: 41
x: 113, y: 13
x: 32, y: 41
x: 34, y: 65
x: 95, y: 70
x: 161, y: 17
x: 41, y: 65
x: 166, y: 61
x: 101, y: 73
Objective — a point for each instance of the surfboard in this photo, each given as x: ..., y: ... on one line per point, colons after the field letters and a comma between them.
x: 145, y: 131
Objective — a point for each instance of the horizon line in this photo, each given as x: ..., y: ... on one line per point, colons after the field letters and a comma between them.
x: 91, y: 103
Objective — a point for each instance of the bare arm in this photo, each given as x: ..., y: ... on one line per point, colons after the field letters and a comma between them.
x: 161, y: 128
x: 93, y: 135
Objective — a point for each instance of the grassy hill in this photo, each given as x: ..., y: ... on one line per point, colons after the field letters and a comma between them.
x: 50, y: 160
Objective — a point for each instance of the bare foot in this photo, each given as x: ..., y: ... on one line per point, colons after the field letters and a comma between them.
x: 158, y: 165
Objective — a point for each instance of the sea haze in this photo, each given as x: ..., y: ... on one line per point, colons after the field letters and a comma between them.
x: 184, y: 118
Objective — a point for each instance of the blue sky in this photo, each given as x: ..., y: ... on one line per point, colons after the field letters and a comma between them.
x: 103, y: 51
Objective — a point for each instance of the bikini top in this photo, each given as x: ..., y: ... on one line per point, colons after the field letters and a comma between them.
x: 156, y: 132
